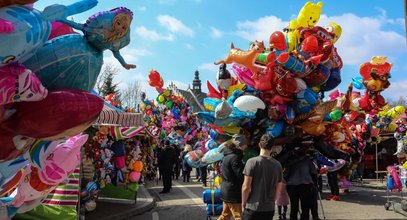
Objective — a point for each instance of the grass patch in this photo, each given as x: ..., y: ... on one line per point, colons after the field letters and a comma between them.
x: 118, y: 192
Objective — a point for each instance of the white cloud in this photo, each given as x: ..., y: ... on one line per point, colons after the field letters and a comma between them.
x: 189, y: 46
x: 208, y: 66
x: 153, y: 35
x: 174, y: 25
x: 396, y: 90
x: 261, y: 28
x: 142, y: 8
x: 216, y: 33
x: 362, y: 37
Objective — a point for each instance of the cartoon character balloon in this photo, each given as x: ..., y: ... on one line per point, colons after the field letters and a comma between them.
x: 25, y: 30
x: 59, y: 163
x: 19, y: 84
x: 75, y: 61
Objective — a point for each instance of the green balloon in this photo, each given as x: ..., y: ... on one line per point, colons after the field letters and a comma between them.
x: 133, y: 187
x: 335, y: 115
x: 169, y: 104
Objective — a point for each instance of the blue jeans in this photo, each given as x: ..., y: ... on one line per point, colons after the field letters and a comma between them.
x: 249, y: 214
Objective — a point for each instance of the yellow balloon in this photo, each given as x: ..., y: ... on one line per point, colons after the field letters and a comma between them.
x: 238, y: 86
x: 143, y: 106
x: 166, y: 92
x: 307, y: 17
x: 161, y: 99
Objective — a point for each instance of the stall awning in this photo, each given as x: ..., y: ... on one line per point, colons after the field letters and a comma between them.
x: 111, y: 115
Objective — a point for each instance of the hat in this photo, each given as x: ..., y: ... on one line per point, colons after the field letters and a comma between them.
x: 239, y: 140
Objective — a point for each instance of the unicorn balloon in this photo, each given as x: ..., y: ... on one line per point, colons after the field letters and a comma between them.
x: 75, y: 61
x: 25, y: 29
x: 58, y: 164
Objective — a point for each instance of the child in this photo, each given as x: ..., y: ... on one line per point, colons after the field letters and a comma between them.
x: 282, y: 201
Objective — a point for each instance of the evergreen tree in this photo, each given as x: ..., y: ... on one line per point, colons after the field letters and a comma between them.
x: 107, y: 85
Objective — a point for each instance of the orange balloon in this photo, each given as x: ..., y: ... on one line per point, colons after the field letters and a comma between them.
x: 138, y: 166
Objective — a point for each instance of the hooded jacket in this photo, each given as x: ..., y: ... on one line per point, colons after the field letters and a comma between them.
x: 232, y: 176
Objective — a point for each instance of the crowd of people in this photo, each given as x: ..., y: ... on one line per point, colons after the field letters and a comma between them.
x: 252, y: 189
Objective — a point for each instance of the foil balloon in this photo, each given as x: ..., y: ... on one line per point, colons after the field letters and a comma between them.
x: 5, y: 3
x: 245, y: 58
x: 59, y: 111
x: 75, y: 61
x: 12, y: 146
x: 307, y: 17
x: 19, y: 84
x: 155, y: 79
x: 244, y: 74
x: 10, y: 174
x: 60, y: 162
x: 249, y: 103
x: 28, y: 28
x: 59, y: 29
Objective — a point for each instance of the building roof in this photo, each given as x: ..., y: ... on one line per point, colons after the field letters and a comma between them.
x: 193, y: 97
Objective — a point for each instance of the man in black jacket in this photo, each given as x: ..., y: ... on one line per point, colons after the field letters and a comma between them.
x: 232, y: 178
x: 166, y: 161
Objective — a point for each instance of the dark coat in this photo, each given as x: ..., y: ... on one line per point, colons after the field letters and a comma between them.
x: 232, y: 176
x: 166, y: 159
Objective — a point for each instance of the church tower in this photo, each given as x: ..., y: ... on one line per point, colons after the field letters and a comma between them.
x: 196, y: 84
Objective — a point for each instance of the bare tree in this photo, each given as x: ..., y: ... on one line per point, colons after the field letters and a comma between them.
x: 106, y: 77
x: 130, y: 95
x: 401, y: 101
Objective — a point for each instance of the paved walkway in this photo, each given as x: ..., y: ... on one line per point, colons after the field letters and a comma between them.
x: 365, y: 200
x: 109, y: 208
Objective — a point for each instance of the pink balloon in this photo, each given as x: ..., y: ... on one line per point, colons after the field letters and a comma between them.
x: 19, y: 84
x: 59, y: 163
x: 244, y: 74
x: 59, y: 29
x: 134, y: 176
x: 59, y: 111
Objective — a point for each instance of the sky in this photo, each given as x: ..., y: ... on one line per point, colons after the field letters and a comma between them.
x: 177, y: 37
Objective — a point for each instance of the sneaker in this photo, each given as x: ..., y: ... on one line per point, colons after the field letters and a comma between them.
x: 330, y: 197
x: 335, y: 198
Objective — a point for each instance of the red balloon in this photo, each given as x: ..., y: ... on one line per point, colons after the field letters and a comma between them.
x: 59, y: 111
x: 154, y: 79
x: 12, y: 146
x: 59, y: 29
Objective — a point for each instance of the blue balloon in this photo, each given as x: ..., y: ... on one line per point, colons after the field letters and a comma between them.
x: 333, y: 81
x: 357, y: 82
x: 75, y: 61
x: 10, y: 168
x: 32, y: 28
x: 275, y: 129
x: 211, y: 103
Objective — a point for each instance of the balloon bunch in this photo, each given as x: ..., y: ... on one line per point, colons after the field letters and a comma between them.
x: 49, y: 164
x: 45, y: 83
x: 280, y: 90
x: 171, y: 114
